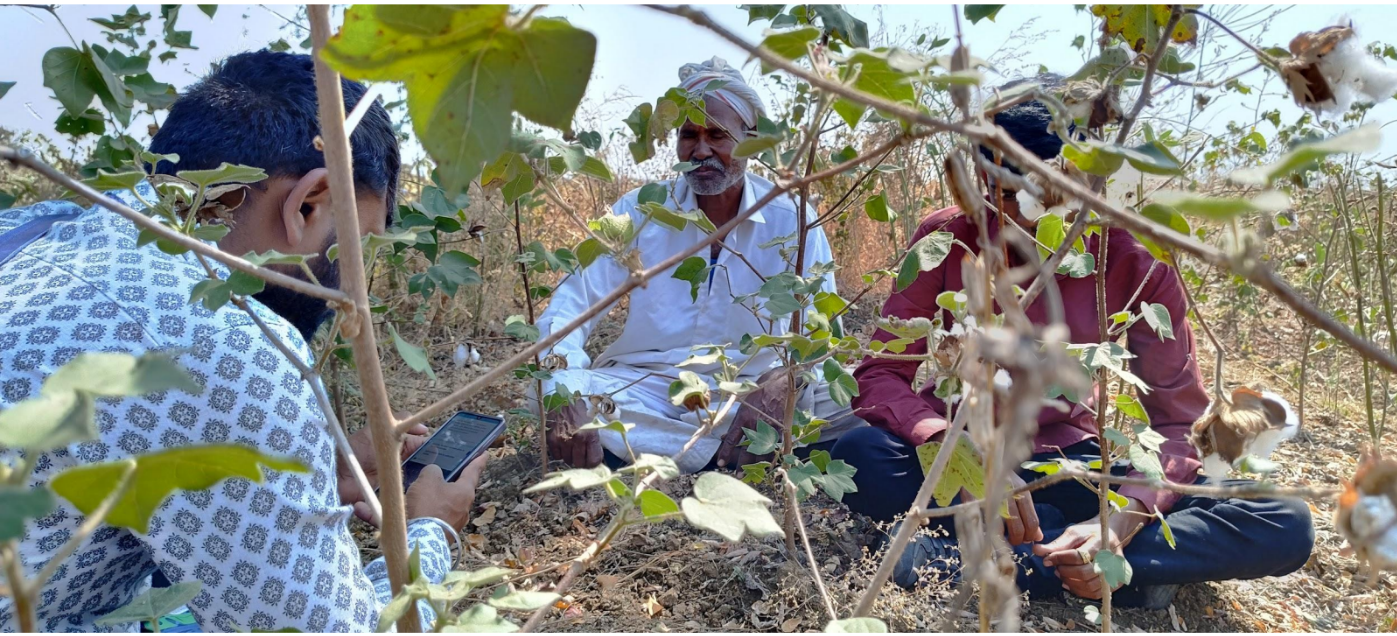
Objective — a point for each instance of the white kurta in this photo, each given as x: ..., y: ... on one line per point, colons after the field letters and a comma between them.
x: 664, y: 323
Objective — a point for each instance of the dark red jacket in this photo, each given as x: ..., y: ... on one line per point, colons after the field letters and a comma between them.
x: 1177, y: 397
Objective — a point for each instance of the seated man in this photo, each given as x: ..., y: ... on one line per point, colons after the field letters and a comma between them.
x: 1056, y: 529
x: 272, y: 555
x: 665, y: 320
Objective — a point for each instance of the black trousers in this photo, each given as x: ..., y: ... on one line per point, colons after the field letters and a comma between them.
x: 1216, y: 539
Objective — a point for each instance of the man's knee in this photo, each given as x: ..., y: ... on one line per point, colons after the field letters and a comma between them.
x: 867, y: 447
x: 1295, y: 534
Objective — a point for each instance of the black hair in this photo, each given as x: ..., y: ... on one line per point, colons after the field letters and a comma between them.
x: 259, y: 109
x: 1028, y: 123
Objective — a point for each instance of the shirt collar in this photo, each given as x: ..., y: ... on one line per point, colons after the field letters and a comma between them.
x: 689, y: 200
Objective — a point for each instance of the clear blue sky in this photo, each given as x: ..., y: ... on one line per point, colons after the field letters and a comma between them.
x: 640, y: 50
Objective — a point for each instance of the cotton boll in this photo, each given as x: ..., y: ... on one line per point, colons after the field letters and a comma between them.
x: 1002, y: 381
x: 465, y: 356
x: 1367, y: 514
x: 1031, y: 208
x: 1353, y: 72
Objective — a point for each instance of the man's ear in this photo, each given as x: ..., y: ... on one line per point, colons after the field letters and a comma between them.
x: 307, y: 206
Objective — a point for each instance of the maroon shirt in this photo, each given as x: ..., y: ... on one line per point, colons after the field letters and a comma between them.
x: 1177, y: 397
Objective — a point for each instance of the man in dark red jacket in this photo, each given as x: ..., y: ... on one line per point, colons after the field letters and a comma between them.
x: 1056, y: 530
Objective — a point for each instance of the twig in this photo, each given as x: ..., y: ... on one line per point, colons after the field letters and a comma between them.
x: 529, y: 304
x: 814, y: 566
x: 28, y: 160
x: 358, y: 322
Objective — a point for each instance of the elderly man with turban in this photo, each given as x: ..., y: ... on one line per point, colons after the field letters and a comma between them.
x: 668, y: 318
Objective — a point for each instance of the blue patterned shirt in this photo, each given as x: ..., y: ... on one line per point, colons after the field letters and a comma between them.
x: 271, y: 555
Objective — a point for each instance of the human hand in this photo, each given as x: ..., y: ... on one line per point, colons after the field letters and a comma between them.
x: 432, y: 496
x: 1022, y: 525
x: 361, y: 442
x: 1074, y: 553
x: 761, y: 405
x: 579, y: 449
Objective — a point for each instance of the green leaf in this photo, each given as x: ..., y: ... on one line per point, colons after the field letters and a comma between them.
x: 842, y: 386
x: 676, y: 219
x: 596, y: 168
x: 838, y: 479
x: 844, y: 27
x: 1116, y: 437
x: 1255, y: 465
x: 467, y: 69
x: 480, y: 619
x: 689, y: 390
x: 415, y: 356
x: 1119, y: 501
x: 1146, y: 461
x: 5, y: 88
x: 519, y: 327
x: 89, y: 123
x: 1131, y: 407
x: 925, y: 255
x: 156, y: 475
x: 1051, y: 233
x: 654, y: 503
x: 454, y: 269
x: 1219, y: 208
x: 1103, y: 159
x: 761, y: 439
x: 654, y: 192
x: 154, y: 603
x: 875, y: 77
x: 693, y: 270
x: 1113, y: 568
x: 1308, y: 155
x: 859, y: 625
x: 1168, y: 217
x: 208, y: 9
x: 761, y: 11
x: 1166, y: 530
x: 1092, y: 614
x: 244, y: 284
x: 1077, y: 264
x: 589, y: 251
x: 977, y: 12
x: 211, y: 233
x: 524, y: 601
x: 120, y: 375
x: 964, y: 470
x: 224, y: 173
x: 755, y: 473
x: 791, y: 44
x: 876, y: 207
x: 782, y: 305
x: 1101, y: 67
x: 1157, y: 317
x: 73, y: 77
x: 753, y: 146
x: 729, y: 508
x: 574, y: 478
x: 18, y: 504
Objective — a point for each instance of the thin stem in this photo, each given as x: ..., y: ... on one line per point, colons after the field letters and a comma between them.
x: 814, y: 566
x: 358, y: 322
x: 529, y: 304
x: 1102, y: 399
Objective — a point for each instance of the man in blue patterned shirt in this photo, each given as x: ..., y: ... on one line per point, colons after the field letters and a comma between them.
x: 272, y: 555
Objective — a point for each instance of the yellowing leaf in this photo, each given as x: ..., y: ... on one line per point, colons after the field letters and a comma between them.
x: 1140, y: 24
x: 964, y: 470
x: 156, y: 475
x: 467, y: 70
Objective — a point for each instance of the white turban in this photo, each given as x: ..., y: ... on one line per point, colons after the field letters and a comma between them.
x: 735, y: 93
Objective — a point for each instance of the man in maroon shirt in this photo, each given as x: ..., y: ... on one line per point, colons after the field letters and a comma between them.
x: 1055, y: 530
